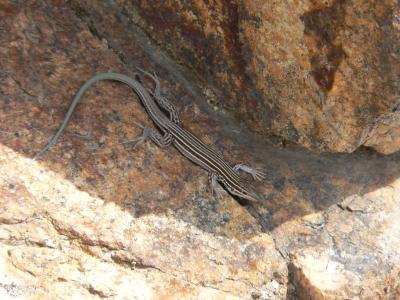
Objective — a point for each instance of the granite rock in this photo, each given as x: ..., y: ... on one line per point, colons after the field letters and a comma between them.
x: 60, y: 242
x: 94, y: 218
x: 323, y: 74
x: 350, y: 251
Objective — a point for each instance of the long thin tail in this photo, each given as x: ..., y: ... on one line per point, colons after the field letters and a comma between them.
x: 101, y: 76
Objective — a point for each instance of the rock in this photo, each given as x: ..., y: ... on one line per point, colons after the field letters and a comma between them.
x: 383, y: 136
x: 86, y: 221
x: 62, y: 56
x: 348, y: 252
x: 93, y: 217
x: 58, y: 241
x: 322, y: 74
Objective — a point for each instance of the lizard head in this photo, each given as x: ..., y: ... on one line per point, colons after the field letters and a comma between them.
x: 250, y: 194
x: 245, y: 191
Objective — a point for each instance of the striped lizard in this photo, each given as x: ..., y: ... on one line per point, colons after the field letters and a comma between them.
x: 172, y: 133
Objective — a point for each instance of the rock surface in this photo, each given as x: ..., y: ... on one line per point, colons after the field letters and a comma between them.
x: 59, y: 242
x: 94, y: 218
x: 350, y: 251
x: 323, y: 74
x: 98, y: 218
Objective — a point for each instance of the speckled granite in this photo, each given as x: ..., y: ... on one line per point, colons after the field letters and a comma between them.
x: 95, y: 218
x: 323, y: 74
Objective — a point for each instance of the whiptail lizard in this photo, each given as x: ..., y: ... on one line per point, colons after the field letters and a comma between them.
x: 173, y: 133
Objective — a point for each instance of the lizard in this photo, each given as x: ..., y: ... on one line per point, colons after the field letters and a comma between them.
x: 172, y: 132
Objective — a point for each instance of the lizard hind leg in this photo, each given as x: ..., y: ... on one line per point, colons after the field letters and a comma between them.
x: 213, y: 178
x: 152, y: 134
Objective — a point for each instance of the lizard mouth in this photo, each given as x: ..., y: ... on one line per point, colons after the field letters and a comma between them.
x: 252, y: 196
x: 249, y: 194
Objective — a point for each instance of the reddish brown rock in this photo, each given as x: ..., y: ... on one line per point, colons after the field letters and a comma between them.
x: 94, y: 217
x: 298, y: 181
x: 322, y: 74
x: 93, y: 152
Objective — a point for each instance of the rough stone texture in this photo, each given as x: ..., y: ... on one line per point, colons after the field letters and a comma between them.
x: 344, y: 252
x: 95, y: 218
x: 58, y: 242
x: 323, y: 74
x: 61, y: 59
x: 383, y: 136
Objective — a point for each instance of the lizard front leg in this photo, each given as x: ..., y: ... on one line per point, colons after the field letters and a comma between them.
x: 256, y: 174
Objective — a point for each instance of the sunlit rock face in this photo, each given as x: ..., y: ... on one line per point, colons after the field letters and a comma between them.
x: 323, y: 74
x: 94, y: 218
x: 349, y: 251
